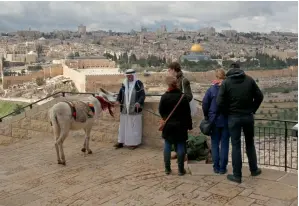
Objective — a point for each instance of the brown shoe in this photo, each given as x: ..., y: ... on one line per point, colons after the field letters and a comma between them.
x: 118, y: 145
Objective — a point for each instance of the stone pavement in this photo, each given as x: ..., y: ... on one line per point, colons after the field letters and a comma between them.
x: 29, y: 176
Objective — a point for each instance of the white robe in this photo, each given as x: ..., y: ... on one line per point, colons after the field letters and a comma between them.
x: 130, y: 126
x: 130, y: 129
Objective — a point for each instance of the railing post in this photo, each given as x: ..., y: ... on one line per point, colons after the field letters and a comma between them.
x: 285, y: 146
x: 63, y: 94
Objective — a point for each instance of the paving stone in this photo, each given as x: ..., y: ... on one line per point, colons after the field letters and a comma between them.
x: 186, y: 187
x: 19, y: 199
x: 269, y: 174
x: 226, y: 190
x: 273, y: 189
x: 277, y: 202
x: 216, y: 199
x: 240, y: 200
x: 290, y: 179
x: 246, y: 192
x: 259, y: 198
x: 295, y: 203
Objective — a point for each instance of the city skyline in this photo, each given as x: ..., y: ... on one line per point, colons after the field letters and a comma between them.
x: 124, y: 16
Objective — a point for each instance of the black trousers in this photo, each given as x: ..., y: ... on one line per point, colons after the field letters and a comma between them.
x: 235, y: 125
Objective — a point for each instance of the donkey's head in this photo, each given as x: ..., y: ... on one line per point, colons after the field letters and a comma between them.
x: 107, y: 100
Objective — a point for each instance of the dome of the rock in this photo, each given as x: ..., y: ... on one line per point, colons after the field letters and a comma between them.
x: 196, y: 48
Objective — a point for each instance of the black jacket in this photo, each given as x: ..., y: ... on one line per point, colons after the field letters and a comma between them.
x: 140, y: 95
x: 176, y: 128
x: 239, y: 94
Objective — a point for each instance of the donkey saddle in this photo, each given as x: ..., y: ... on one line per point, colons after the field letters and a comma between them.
x: 81, y: 111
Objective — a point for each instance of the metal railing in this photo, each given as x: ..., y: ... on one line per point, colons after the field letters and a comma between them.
x: 63, y: 95
x: 275, y: 146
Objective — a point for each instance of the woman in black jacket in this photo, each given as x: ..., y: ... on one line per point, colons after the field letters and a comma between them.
x: 175, y: 131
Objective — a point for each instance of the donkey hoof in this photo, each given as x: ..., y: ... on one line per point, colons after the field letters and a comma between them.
x: 63, y: 163
x: 89, y: 152
x: 83, y: 150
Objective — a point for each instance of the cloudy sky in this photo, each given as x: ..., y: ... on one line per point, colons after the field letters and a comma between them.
x: 124, y: 16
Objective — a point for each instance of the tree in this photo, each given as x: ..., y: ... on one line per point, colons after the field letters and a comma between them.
x: 76, y: 54
x: 133, y: 58
x: 39, y: 49
x: 114, y: 57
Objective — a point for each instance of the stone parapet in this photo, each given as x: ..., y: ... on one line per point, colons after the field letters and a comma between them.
x: 34, y: 122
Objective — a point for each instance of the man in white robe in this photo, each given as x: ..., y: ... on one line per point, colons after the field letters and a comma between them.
x: 131, y: 98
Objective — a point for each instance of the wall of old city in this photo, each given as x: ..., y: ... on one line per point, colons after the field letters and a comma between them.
x: 90, y: 63
x: 77, y: 77
x: 34, y: 123
x: 47, y: 72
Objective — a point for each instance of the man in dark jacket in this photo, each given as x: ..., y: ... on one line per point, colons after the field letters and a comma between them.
x: 240, y: 97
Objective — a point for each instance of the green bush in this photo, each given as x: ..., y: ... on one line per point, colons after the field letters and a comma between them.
x: 18, y: 109
x: 39, y: 81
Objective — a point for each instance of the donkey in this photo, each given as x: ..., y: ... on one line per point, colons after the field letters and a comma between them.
x: 63, y: 119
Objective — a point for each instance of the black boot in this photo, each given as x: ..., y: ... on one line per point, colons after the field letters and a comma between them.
x: 167, y: 163
x: 118, y: 145
x: 256, y: 173
x: 167, y: 170
x: 233, y: 178
x: 182, y: 170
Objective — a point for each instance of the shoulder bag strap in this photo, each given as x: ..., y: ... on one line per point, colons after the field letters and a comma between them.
x: 183, y: 89
x: 174, y: 108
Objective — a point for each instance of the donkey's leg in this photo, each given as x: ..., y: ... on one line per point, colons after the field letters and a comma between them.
x: 87, y: 134
x: 63, y: 135
x: 84, y: 144
x: 56, y: 132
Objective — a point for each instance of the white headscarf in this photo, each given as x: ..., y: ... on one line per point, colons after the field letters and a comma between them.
x: 129, y: 86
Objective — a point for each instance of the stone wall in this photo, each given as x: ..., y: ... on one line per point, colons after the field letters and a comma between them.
x: 90, y: 63
x: 49, y: 71
x: 113, y: 82
x: 34, y: 123
x: 78, y: 78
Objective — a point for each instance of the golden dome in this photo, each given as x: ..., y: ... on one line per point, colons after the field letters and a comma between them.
x: 196, y: 48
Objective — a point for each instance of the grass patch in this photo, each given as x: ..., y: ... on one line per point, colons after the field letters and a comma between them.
x: 7, y: 107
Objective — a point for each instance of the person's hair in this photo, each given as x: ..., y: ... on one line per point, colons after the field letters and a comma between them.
x: 235, y: 66
x: 220, y: 74
x: 171, y: 81
x: 175, y: 66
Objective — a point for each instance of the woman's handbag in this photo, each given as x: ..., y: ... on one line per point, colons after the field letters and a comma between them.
x: 206, y: 127
x: 163, y: 122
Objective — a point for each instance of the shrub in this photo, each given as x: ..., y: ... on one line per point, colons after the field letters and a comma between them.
x: 39, y: 81
x: 18, y: 109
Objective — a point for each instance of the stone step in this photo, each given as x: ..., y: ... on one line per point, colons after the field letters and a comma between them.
x: 202, y: 169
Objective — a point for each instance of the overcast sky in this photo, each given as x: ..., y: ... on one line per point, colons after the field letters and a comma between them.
x: 124, y: 16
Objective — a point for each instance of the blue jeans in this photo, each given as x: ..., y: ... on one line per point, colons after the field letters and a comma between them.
x: 220, y: 159
x: 180, y: 150
x: 235, y: 125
